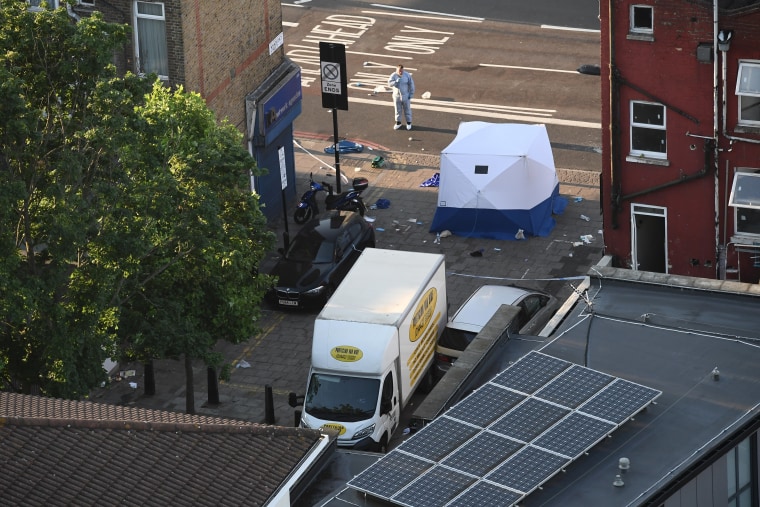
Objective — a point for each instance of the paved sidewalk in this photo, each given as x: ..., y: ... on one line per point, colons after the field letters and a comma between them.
x: 279, y: 356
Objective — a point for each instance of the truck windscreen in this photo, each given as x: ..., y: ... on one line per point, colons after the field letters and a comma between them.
x: 341, y: 398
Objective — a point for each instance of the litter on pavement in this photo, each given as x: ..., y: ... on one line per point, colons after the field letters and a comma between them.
x: 345, y: 146
x: 434, y: 181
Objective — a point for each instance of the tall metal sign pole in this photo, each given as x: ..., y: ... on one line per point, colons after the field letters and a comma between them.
x: 332, y: 62
x: 284, y: 183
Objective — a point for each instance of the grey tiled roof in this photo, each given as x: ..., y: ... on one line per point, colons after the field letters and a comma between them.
x: 59, y: 452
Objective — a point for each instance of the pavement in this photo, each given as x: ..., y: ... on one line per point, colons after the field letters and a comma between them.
x: 277, y: 359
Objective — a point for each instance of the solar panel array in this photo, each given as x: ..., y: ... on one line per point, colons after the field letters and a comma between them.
x: 507, y: 438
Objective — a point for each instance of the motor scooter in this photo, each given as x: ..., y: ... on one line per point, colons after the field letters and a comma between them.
x: 349, y: 200
x: 307, y: 207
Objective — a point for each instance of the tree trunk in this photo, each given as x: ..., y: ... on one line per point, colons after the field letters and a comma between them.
x: 189, y: 390
x: 213, y: 386
x: 149, y: 378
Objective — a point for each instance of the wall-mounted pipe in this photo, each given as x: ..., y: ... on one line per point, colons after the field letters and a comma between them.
x: 614, y: 126
x: 683, y: 179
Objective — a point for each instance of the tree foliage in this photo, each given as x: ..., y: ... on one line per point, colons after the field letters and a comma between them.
x: 126, y: 225
x: 198, y: 230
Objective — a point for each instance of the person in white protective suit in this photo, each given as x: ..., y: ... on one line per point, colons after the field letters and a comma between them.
x: 403, y: 90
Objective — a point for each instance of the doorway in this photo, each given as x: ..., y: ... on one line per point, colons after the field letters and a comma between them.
x: 649, y: 246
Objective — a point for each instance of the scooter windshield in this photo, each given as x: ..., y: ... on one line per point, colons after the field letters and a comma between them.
x: 341, y: 398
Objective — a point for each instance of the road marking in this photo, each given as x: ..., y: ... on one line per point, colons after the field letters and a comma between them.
x: 289, y: 24
x: 529, y: 68
x: 456, y: 109
x: 258, y: 339
x: 570, y: 29
x: 448, y: 17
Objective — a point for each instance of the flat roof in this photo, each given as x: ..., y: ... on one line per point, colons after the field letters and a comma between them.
x: 670, y: 338
x: 669, y: 334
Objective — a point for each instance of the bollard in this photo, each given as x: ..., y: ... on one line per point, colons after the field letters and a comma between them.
x: 297, y: 418
x: 268, y: 405
x: 213, y: 386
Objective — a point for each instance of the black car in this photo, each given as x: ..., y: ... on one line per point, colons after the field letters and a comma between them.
x: 318, y: 259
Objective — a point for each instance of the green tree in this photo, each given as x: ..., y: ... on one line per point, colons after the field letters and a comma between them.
x: 127, y: 227
x: 200, y: 231
x: 56, y: 165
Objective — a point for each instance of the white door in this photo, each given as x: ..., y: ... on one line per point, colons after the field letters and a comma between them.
x: 649, y: 238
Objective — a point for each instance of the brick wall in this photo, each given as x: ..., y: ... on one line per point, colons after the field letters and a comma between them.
x: 218, y: 49
x: 665, y: 68
x: 226, y: 51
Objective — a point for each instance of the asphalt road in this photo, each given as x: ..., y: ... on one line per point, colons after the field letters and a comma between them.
x: 471, y: 68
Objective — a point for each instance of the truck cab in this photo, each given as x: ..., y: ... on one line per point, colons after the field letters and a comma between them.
x: 367, y: 421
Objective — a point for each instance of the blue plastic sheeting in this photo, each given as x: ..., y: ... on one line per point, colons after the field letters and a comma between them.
x: 345, y: 147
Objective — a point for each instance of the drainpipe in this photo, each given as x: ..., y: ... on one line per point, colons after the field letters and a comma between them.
x: 720, y: 250
x: 614, y: 105
x: 684, y: 177
x: 73, y: 15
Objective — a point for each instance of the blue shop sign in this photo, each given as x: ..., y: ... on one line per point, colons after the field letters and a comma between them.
x: 281, y: 107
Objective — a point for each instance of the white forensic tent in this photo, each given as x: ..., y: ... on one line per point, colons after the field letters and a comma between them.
x: 495, y: 179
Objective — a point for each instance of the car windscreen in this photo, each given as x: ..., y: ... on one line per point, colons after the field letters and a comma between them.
x: 455, y: 338
x: 341, y: 398
x: 311, y: 247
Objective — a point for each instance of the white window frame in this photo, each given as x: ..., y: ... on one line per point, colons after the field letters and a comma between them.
x: 633, y: 28
x: 748, y: 91
x: 745, y: 195
x: 653, y: 211
x: 34, y: 5
x: 138, y: 16
x: 636, y: 152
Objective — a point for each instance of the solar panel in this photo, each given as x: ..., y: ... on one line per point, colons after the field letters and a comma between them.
x: 529, y: 420
x: 485, y: 405
x: 531, y: 372
x: 484, y: 493
x: 528, y: 469
x: 574, y: 434
x: 481, y: 454
x: 574, y: 386
x: 442, y: 436
x: 507, y: 438
x: 434, y: 489
x: 619, y: 401
x: 388, y: 475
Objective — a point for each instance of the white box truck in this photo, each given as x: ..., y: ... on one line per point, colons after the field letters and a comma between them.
x: 373, y: 345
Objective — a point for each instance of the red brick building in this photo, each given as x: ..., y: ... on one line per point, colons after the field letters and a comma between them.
x: 681, y: 136
x: 231, y: 54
